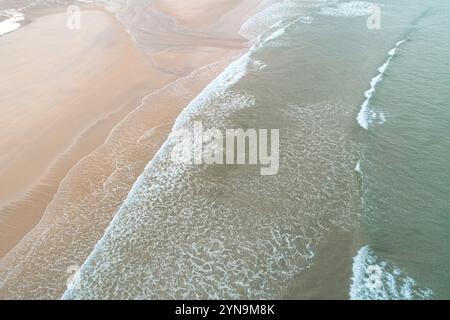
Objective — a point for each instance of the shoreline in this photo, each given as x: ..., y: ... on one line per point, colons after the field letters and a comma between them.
x: 77, y: 187
x: 27, y: 193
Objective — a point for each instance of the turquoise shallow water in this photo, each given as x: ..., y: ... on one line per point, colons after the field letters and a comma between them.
x: 226, y: 232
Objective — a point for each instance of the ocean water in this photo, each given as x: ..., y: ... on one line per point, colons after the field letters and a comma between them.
x: 405, y: 156
x: 360, y: 206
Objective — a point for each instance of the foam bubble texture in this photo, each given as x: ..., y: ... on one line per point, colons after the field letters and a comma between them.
x: 375, y: 279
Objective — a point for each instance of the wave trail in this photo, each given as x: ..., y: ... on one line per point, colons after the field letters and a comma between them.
x: 366, y: 115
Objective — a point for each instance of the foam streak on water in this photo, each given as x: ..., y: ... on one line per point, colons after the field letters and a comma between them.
x: 358, y: 167
x: 348, y: 9
x: 366, y: 114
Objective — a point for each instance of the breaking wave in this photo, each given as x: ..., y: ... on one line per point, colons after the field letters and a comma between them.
x: 367, y: 115
x: 375, y: 279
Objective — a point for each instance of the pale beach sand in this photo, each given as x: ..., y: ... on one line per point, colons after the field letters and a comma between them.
x: 59, y: 98
x: 83, y: 112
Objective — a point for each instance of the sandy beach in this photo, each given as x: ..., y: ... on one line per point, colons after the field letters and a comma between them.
x: 235, y: 150
x: 62, y: 96
x: 83, y: 112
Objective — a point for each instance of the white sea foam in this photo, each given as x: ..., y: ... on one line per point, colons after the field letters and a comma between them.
x: 277, y: 30
x: 306, y: 19
x: 12, y: 22
x: 375, y: 279
x: 266, y: 19
x: 348, y: 9
x: 259, y: 65
x: 236, y: 273
x: 238, y: 68
x: 394, y: 50
x: 358, y: 167
x: 232, y: 74
x: 367, y: 115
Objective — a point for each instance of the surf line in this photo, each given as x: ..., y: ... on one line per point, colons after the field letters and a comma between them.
x: 365, y: 115
x: 12, y: 22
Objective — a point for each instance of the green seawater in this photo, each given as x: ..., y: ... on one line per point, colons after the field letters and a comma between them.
x: 352, y: 213
x: 406, y: 160
x: 398, y: 228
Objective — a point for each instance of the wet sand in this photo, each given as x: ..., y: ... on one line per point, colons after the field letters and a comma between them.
x: 81, y: 125
x: 59, y: 99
